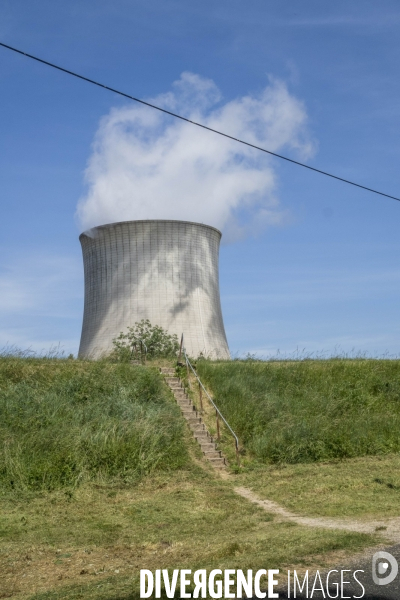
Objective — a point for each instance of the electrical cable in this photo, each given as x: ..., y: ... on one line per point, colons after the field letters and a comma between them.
x: 176, y: 116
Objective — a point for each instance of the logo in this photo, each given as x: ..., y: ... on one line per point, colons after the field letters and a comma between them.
x: 384, y: 568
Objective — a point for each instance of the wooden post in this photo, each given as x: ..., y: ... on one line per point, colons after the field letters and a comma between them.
x: 187, y: 372
x: 143, y: 350
x: 201, y: 398
x: 180, y: 349
x: 218, y: 431
x: 237, y: 454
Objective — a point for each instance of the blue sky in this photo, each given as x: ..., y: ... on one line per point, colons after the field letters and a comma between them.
x: 326, y: 276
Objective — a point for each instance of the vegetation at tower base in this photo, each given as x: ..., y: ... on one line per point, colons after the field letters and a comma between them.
x: 311, y: 410
x: 64, y: 422
x: 159, y: 343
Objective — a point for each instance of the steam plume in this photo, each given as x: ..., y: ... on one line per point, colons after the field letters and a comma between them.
x: 147, y: 165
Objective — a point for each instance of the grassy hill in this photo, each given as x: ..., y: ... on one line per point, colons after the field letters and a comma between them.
x: 100, y: 476
x: 308, y: 411
x: 64, y: 422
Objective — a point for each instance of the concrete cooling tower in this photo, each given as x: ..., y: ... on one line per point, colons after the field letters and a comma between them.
x: 164, y: 271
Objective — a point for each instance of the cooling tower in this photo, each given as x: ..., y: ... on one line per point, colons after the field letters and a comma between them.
x: 164, y: 271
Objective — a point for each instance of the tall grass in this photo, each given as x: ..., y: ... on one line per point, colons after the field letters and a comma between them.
x: 66, y: 421
x: 313, y: 410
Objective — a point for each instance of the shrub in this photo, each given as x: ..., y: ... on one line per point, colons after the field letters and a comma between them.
x: 159, y: 343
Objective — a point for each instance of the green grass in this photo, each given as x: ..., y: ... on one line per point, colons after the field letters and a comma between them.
x: 362, y: 488
x: 63, y: 422
x: 99, y: 478
x: 93, y: 544
x: 309, y: 411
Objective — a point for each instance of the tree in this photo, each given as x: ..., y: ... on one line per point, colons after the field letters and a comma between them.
x: 159, y: 343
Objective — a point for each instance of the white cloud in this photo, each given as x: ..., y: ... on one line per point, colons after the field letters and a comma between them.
x: 146, y: 165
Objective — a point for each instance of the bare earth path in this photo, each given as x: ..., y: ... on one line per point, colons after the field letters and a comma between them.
x: 389, y: 528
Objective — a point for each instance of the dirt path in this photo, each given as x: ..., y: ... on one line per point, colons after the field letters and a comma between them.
x: 389, y: 528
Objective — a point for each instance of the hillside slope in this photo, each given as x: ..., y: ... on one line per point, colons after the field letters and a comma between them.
x: 309, y: 411
x: 63, y: 422
x: 99, y: 478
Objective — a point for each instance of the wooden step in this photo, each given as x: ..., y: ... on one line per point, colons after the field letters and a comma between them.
x: 189, y: 412
x: 214, y: 454
x: 207, y: 446
x: 217, y: 462
x: 192, y: 416
x: 187, y: 408
x: 184, y: 402
x: 197, y: 427
x: 203, y: 438
x: 193, y: 419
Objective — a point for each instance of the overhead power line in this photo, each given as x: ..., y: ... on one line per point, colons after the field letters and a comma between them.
x: 226, y: 135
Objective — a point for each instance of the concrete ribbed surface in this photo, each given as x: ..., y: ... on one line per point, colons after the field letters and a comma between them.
x: 164, y: 271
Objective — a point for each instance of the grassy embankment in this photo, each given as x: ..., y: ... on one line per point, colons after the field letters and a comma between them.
x: 66, y: 422
x: 321, y: 437
x: 99, y: 478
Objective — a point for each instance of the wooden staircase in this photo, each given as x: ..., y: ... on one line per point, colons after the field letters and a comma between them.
x: 194, y: 419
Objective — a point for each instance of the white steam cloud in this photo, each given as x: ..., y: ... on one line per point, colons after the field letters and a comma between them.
x: 147, y: 165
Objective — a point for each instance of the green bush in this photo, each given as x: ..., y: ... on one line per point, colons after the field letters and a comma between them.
x: 63, y: 422
x: 159, y: 343
x: 311, y: 410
